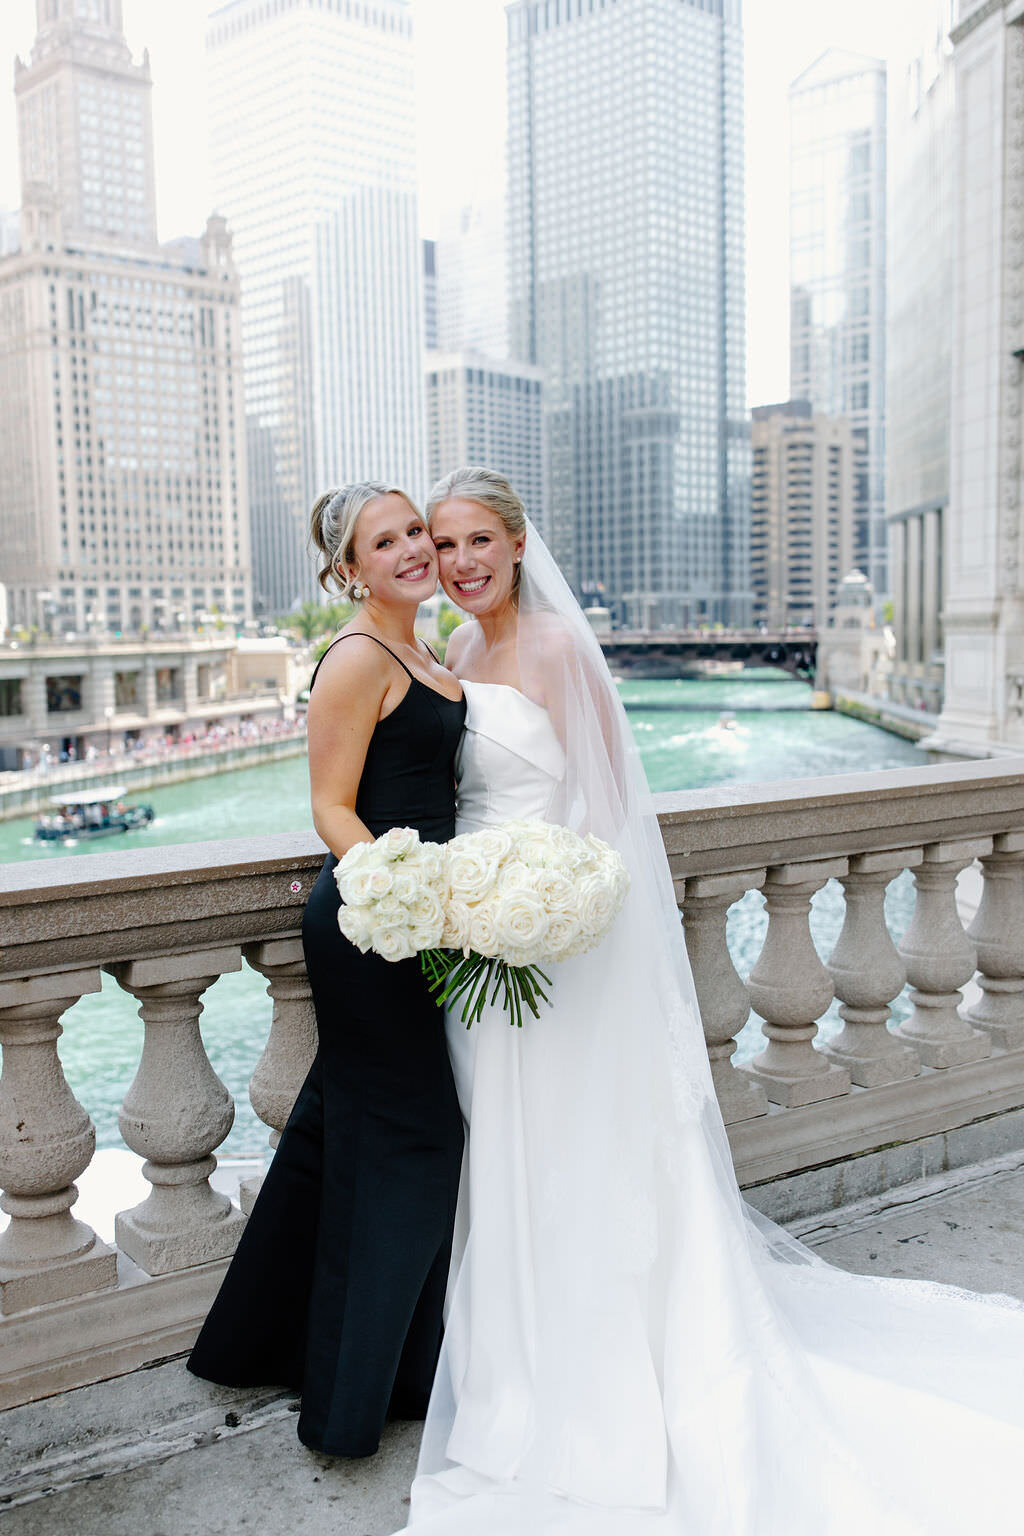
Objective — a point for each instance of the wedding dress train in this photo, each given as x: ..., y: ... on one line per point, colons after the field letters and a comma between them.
x: 629, y: 1349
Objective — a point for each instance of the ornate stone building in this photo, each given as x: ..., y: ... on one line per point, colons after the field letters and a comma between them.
x: 121, y: 421
x: 984, y: 536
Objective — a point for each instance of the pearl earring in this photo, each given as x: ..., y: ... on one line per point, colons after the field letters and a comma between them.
x: 360, y: 591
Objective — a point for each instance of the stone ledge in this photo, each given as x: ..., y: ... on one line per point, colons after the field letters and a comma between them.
x: 868, y: 1119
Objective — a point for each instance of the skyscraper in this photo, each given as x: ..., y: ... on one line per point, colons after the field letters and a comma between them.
x: 312, y: 139
x: 121, y: 424
x: 837, y: 269
x: 481, y: 410
x: 626, y: 279
x: 801, y: 511
x: 472, y: 296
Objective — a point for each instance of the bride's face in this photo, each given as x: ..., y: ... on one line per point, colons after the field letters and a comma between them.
x: 476, y: 554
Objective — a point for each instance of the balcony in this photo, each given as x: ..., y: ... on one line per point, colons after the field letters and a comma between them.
x: 814, y: 1124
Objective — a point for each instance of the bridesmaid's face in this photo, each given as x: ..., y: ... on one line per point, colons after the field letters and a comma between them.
x: 394, y: 553
x: 476, y: 554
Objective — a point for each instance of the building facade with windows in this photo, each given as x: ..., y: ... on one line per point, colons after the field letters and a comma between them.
x: 919, y: 345
x: 805, y: 468
x: 481, y: 410
x: 312, y: 142
x: 838, y: 269
x: 121, y: 411
x: 626, y: 286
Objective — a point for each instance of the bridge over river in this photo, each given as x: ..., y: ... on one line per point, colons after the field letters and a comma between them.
x: 687, y: 653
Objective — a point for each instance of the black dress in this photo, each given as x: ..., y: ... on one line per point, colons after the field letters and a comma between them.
x: 338, y: 1281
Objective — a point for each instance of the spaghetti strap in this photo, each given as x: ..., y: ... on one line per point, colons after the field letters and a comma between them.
x: 365, y: 636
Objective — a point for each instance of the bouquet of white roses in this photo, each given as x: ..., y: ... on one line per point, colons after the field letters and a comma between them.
x: 522, y: 895
x: 510, y: 898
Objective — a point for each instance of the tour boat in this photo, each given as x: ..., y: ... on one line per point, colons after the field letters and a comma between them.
x: 88, y: 813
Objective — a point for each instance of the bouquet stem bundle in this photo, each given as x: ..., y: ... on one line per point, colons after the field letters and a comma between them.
x: 468, y: 978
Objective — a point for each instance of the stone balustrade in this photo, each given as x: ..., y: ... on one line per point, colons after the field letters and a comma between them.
x: 165, y: 923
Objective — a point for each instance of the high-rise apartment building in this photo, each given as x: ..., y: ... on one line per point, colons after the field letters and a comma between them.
x: 626, y: 279
x: 122, y: 447
x: 481, y: 410
x: 919, y: 345
x: 837, y: 269
x: 801, y: 511
x: 312, y: 141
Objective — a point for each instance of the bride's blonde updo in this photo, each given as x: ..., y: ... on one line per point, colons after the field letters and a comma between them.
x: 332, y: 529
x: 491, y: 490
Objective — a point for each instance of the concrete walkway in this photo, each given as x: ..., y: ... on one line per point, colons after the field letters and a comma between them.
x: 161, y: 1454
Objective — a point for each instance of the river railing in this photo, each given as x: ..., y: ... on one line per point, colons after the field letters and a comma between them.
x: 167, y: 922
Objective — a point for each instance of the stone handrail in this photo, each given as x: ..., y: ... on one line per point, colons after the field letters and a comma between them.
x: 165, y: 923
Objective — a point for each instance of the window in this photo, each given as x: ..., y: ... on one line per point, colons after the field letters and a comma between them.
x: 10, y: 696
x: 63, y: 694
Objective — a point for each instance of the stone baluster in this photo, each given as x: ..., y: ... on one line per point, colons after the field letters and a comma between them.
x: 291, y: 1046
x: 868, y: 973
x: 790, y: 988
x: 46, y: 1141
x: 940, y: 958
x: 998, y: 932
x: 174, y: 1114
x: 721, y: 995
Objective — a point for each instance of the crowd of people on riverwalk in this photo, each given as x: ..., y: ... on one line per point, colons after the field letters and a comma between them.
x: 47, y: 762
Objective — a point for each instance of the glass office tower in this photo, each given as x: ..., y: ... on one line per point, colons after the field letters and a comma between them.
x: 837, y: 270
x: 626, y: 284
x: 312, y: 136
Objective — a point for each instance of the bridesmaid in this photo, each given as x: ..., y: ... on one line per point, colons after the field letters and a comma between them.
x: 338, y: 1281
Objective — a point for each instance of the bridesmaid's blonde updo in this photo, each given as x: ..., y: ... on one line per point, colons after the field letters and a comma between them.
x: 332, y: 529
x: 491, y: 490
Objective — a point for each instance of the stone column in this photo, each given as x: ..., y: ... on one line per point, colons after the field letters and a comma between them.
x: 940, y: 958
x: 281, y: 1070
x: 722, y: 997
x: 174, y: 1114
x: 46, y: 1141
x: 868, y: 973
x: 790, y: 988
x: 998, y: 932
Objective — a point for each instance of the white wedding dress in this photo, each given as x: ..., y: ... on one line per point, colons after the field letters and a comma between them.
x: 629, y: 1351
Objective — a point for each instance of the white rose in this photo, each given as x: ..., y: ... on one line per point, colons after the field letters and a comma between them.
x: 493, y: 844
x: 457, y: 920
x: 470, y: 875
x: 595, y: 905
x: 427, y: 913
x: 393, y: 944
x: 390, y: 913
x: 405, y: 883
x: 562, y: 936
x: 357, y: 926
x: 399, y: 842
x: 379, y: 881
x: 521, y: 922
x: 482, y: 932
x: 354, y: 886
x: 555, y: 890
x: 429, y: 865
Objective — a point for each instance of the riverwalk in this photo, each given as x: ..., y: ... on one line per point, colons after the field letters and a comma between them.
x: 162, y: 1453
x: 29, y: 791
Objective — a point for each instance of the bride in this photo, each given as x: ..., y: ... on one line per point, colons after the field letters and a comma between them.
x: 629, y: 1349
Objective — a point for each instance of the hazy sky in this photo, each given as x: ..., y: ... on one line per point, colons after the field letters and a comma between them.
x: 461, y: 82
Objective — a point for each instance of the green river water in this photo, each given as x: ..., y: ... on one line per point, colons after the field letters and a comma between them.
x: 683, y: 745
